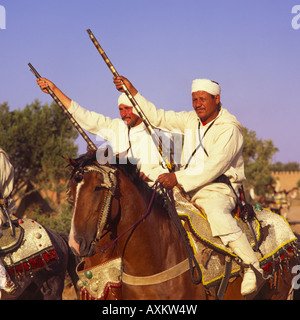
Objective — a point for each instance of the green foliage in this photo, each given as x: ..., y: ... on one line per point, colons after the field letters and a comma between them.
x: 290, y: 166
x: 35, y: 139
x: 258, y: 156
x: 59, y: 222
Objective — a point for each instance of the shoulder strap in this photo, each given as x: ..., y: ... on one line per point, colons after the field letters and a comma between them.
x: 200, y: 144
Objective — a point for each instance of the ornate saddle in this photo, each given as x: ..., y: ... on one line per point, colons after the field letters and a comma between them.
x: 27, y: 249
x: 10, y: 238
x: 273, y: 236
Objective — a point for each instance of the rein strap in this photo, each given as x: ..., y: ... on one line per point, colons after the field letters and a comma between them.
x: 103, y: 249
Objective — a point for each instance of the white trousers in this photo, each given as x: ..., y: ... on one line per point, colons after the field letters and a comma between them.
x: 218, y: 201
x: 3, y: 276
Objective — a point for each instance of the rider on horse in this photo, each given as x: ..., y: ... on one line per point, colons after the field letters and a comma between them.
x: 6, y: 187
x: 128, y: 137
x: 219, y: 140
x: 222, y: 154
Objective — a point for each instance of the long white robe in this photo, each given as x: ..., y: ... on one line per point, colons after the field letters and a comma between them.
x: 6, y: 179
x: 224, y: 145
x: 137, y: 141
x: 6, y: 187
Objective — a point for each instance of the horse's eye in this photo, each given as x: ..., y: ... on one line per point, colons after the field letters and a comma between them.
x: 97, y: 188
x: 79, y: 178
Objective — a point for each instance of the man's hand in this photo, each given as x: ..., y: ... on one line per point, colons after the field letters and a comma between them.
x: 120, y: 81
x: 168, y: 180
x: 44, y: 84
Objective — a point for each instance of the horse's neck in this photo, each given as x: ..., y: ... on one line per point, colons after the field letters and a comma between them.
x: 155, y: 242
x: 100, y: 257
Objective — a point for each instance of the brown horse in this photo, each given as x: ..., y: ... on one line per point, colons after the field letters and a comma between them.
x: 147, y: 239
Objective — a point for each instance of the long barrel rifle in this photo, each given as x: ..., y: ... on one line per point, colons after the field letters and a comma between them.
x: 167, y: 161
x: 89, y: 142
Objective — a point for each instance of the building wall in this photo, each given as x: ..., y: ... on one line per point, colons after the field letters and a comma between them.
x: 288, y: 179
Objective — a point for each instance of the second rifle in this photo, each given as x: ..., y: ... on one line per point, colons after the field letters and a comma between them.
x: 168, y: 162
x: 89, y: 142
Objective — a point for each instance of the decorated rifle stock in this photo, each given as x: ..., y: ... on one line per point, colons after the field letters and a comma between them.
x: 91, y: 145
x: 169, y: 163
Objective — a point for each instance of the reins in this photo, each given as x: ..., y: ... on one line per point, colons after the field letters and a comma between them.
x: 103, y: 249
x: 109, y: 183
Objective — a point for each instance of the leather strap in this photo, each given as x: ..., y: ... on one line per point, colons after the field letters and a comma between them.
x: 157, y: 278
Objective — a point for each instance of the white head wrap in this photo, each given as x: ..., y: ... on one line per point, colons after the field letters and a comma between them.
x: 209, y: 86
x: 123, y: 99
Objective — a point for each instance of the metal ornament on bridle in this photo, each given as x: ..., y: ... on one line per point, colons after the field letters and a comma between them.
x: 109, y: 183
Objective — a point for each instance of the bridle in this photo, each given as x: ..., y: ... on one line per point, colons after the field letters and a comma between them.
x: 109, y: 183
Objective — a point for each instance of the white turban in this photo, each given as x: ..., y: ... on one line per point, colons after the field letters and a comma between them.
x: 123, y: 99
x: 209, y: 86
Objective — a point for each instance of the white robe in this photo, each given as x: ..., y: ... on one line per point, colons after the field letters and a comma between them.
x: 141, y: 149
x: 224, y: 145
x: 6, y: 187
x: 6, y: 179
x: 6, y: 175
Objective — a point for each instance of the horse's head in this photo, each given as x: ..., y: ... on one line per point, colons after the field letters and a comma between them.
x: 92, y: 189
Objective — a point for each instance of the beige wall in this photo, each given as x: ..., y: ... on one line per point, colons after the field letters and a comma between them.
x: 288, y: 179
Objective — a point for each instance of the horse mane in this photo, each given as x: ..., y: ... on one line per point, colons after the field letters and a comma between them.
x: 130, y: 171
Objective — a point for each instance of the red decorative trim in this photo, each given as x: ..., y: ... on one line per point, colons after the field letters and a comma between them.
x: 85, y: 294
x: 268, y: 268
x: 38, y: 262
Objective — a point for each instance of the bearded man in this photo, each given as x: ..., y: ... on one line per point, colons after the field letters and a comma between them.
x: 128, y: 136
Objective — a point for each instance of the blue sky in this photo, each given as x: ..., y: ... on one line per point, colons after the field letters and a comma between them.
x: 249, y: 47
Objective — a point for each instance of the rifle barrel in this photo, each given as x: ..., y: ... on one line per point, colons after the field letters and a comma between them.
x: 157, y: 140
x: 90, y: 143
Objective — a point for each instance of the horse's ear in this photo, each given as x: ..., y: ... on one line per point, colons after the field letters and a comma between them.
x: 70, y: 161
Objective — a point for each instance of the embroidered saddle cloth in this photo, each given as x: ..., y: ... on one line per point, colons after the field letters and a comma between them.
x: 273, y: 234
x: 35, y: 251
x: 95, y: 282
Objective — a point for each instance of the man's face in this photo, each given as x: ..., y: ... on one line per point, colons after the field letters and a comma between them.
x: 206, y: 106
x: 128, y: 116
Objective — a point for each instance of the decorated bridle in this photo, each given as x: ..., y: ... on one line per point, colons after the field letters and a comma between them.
x: 109, y: 183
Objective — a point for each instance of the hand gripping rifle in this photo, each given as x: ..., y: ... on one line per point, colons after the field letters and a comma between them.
x: 156, y: 139
x: 91, y: 145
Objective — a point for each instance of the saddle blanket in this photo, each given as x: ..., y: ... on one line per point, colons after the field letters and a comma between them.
x: 35, y: 251
x: 273, y: 234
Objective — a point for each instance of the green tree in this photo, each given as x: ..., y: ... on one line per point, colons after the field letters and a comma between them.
x: 258, y: 156
x: 290, y: 166
x: 35, y: 139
